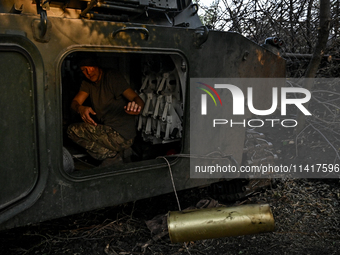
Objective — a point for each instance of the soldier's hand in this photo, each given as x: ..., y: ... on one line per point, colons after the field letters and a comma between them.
x: 133, y: 108
x: 85, y: 112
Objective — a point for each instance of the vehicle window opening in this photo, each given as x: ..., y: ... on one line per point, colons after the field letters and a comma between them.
x: 158, y: 79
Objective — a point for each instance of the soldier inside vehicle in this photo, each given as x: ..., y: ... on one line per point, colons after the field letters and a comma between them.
x: 114, y: 104
x: 156, y: 79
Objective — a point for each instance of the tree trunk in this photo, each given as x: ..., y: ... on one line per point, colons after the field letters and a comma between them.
x: 317, y: 55
x: 292, y: 22
x: 308, y: 22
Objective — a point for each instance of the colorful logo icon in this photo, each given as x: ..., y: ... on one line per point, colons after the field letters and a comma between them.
x: 204, y: 97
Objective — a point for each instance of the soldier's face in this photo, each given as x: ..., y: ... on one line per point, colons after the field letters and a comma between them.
x: 91, y: 72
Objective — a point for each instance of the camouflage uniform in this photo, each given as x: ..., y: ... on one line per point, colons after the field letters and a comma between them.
x: 100, y: 141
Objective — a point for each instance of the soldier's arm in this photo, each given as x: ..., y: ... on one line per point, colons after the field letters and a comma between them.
x: 136, y: 104
x: 84, y: 111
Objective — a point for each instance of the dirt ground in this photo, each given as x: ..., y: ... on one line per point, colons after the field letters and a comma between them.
x: 306, y: 211
x: 306, y: 214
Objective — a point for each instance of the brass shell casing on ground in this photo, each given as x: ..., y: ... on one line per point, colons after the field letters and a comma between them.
x: 219, y: 222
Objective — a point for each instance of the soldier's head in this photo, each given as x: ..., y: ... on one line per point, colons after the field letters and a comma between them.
x: 91, y: 69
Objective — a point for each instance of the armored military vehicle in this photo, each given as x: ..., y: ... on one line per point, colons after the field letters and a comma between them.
x: 158, y: 45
